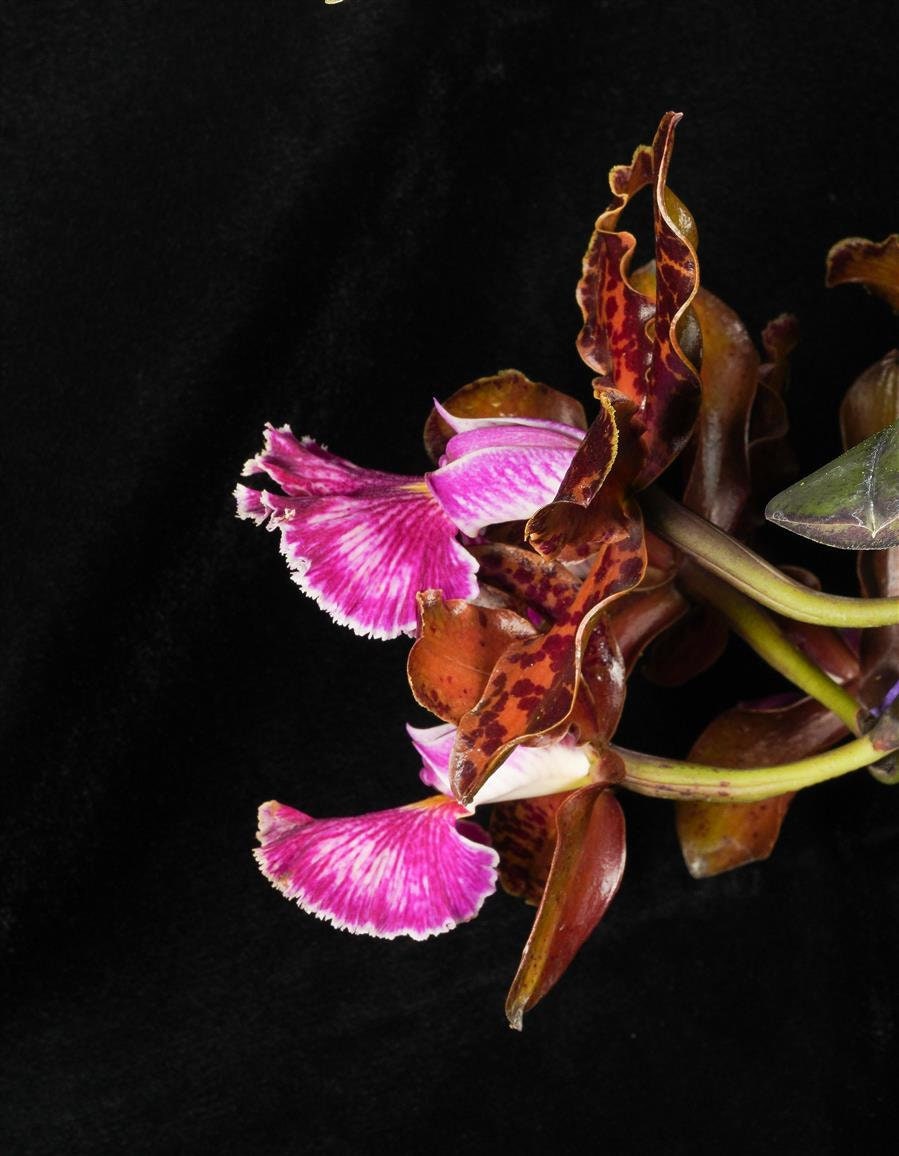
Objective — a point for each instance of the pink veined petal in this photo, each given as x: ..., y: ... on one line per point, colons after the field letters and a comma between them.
x: 464, y: 424
x: 408, y: 871
x: 500, y: 483
x: 250, y: 505
x: 364, y: 549
x: 510, y: 437
x: 302, y: 468
x: 434, y: 745
x: 527, y: 773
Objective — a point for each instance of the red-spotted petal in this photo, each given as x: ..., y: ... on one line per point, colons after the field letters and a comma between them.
x: 362, y: 543
x: 415, y: 870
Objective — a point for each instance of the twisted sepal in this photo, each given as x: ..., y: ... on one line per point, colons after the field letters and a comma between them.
x: 633, y: 339
x: 874, y: 264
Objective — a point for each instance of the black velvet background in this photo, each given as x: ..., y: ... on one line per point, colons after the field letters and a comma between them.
x: 220, y: 214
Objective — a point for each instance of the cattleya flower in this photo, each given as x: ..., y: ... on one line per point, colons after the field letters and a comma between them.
x: 416, y: 870
x: 526, y: 633
x: 363, y: 543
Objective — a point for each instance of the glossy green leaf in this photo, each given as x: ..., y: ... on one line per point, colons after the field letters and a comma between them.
x: 852, y: 502
x: 871, y: 403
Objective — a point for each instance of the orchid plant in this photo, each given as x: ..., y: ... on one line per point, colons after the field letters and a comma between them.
x: 540, y: 557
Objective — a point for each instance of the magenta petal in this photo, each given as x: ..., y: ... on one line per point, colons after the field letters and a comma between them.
x: 250, y: 505
x: 501, y: 482
x: 511, y: 437
x: 434, y: 745
x: 407, y: 871
x: 302, y: 468
x: 363, y: 558
x: 362, y: 543
x: 464, y: 424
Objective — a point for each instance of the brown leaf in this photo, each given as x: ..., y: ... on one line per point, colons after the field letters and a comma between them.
x: 584, y: 876
x: 693, y: 644
x: 872, y: 402
x: 641, y: 616
x: 772, y: 463
x: 457, y: 648
x: 531, y: 692
x: 716, y: 837
x: 504, y: 394
x: 718, y: 484
x: 873, y: 263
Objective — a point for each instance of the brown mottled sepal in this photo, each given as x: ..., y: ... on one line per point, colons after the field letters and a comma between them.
x: 531, y: 693
x: 586, y: 870
x: 457, y: 648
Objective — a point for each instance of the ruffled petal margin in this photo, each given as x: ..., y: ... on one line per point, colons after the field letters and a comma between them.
x: 362, y: 543
x: 417, y: 870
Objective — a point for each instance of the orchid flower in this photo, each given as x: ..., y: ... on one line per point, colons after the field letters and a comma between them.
x: 362, y: 543
x: 524, y: 653
x: 416, y: 870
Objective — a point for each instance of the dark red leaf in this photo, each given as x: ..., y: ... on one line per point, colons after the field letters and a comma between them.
x: 718, y: 484
x: 571, y: 532
x: 586, y: 870
x: 690, y: 647
x: 614, y: 340
x: 772, y: 463
x: 641, y: 616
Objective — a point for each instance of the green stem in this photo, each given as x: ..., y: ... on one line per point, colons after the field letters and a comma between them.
x: 761, y: 632
x: 672, y: 779
x: 738, y: 565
